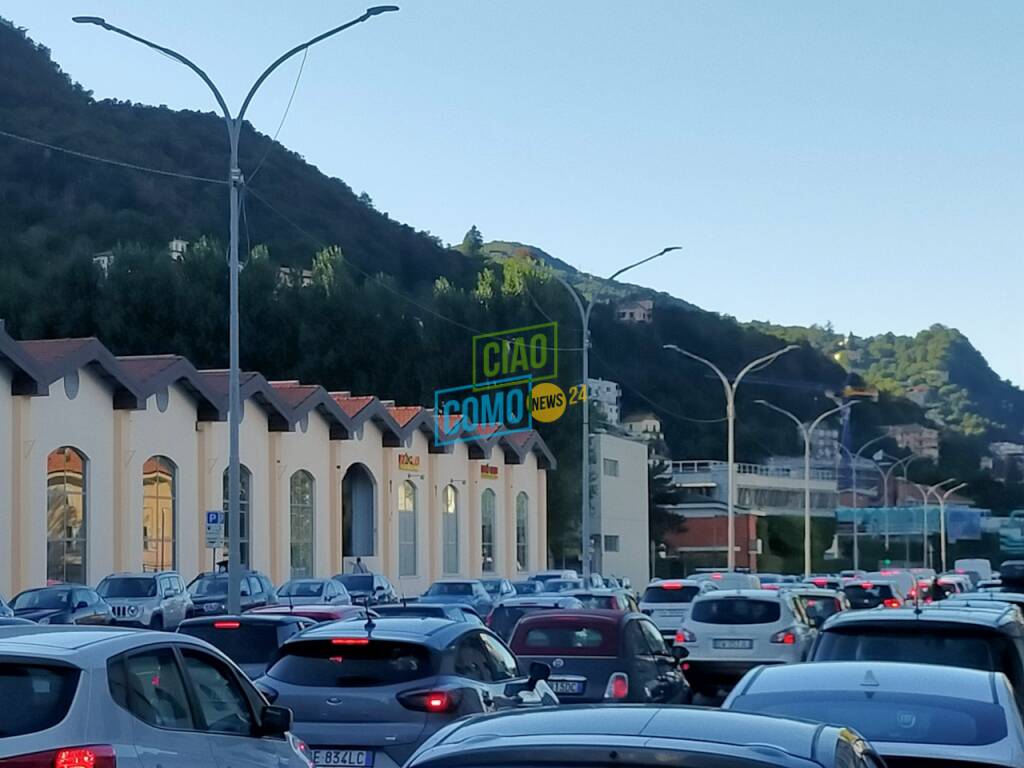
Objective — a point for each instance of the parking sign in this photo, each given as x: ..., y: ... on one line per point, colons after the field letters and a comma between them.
x: 214, y: 529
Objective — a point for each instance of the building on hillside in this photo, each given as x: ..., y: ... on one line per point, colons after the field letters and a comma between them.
x: 645, y: 426
x: 619, y: 512
x: 824, y: 444
x: 104, y: 261
x: 607, y: 396
x: 294, y: 277
x: 641, y: 311
x: 916, y: 438
x: 110, y: 463
x: 1006, y: 460
x: 177, y: 249
x: 919, y: 394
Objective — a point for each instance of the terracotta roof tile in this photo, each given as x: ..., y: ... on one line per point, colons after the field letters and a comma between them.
x: 49, y: 351
x: 293, y: 393
x: 403, y: 414
x: 146, y: 367
x: 352, y: 405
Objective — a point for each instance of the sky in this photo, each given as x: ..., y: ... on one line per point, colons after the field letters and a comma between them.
x: 859, y: 163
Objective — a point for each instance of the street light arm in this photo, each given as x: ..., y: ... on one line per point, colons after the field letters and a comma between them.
x: 784, y: 412
x: 575, y: 296
x: 762, y: 362
x: 699, y: 359
x: 662, y: 252
x: 869, y: 443
x: 832, y: 412
x: 953, y: 490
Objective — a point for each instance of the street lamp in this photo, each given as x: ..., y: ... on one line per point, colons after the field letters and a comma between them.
x: 856, y: 498
x: 925, y: 494
x: 235, y: 182
x: 730, y: 414
x: 808, y: 432
x: 585, y: 554
x: 942, y: 521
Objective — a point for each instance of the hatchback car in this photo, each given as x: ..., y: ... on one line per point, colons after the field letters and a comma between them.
x: 369, y: 695
x: 820, y: 604
x: 313, y: 592
x: 640, y: 737
x: 503, y: 617
x: 498, y: 589
x: 601, y: 656
x: 152, y: 600
x: 668, y: 601
x: 62, y: 604
x: 463, y: 591
x: 911, y: 713
x: 368, y: 588
x: 872, y: 594
x: 209, y: 592
x: 251, y: 640
x: 607, y: 599
x: 729, y: 632
x: 101, y: 697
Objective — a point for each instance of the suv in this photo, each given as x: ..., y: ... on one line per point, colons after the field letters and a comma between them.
x: 209, y: 592
x: 729, y: 632
x: 106, y: 696
x: 978, y: 638
x: 367, y: 589
x: 668, y: 601
x: 148, y: 600
x: 462, y: 591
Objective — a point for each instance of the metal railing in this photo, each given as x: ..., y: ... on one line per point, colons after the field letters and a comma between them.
x: 761, y: 470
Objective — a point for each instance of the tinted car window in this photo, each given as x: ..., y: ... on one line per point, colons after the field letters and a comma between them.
x: 503, y: 618
x: 43, y: 694
x: 503, y: 662
x: 211, y: 586
x: 740, y: 610
x: 975, y: 650
x: 45, y: 599
x: 255, y: 585
x: 663, y: 595
x: 222, y: 703
x: 655, y: 641
x: 444, y: 588
x: 356, y: 582
x: 378, y: 662
x: 127, y: 587
x: 303, y: 589
x: 868, y: 595
x: 153, y: 689
x: 567, y: 639
x: 819, y: 608
x: 254, y: 643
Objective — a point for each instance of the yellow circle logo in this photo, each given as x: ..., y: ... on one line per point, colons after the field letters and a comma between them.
x: 547, y: 402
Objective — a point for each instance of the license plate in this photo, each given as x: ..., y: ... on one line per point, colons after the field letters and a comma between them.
x: 566, y: 686
x: 732, y: 645
x: 342, y: 758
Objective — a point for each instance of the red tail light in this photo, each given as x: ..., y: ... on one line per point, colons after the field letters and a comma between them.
x: 618, y: 686
x: 95, y: 756
x: 892, y: 602
x: 716, y: 576
x: 435, y: 702
x: 226, y: 625
x: 819, y: 582
x: 671, y: 586
x: 785, y: 637
x: 350, y: 641
x: 685, y: 636
x: 867, y: 585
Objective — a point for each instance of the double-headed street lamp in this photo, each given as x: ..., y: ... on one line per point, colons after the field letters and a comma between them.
x: 585, y: 553
x: 235, y: 182
x: 942, y: 521
x: 730, y: 414
x: 925, y: 495
x: 807, y: 432
x: 854, y: 461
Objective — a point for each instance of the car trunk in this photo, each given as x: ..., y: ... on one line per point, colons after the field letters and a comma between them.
x: 579, y: 679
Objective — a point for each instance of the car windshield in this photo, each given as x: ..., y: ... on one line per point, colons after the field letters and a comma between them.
x: 562, y: 585
x: 43, y: 694
x: 448, y: 588
x: 975, y: 649
x: 43, y: 599
x: 354, y: 664
x: 301, y: 588
x: 670, y: 593
x: 736, y: 610
x: 127, y: 586
x: 243, y: 643
x: 215, y: 585
x: 889, y: 717
x: 356, y: 582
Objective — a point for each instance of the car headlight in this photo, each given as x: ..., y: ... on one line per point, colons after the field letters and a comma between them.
x: 44, y: 620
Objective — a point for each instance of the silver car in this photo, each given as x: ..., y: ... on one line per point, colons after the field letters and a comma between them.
x: 313, y: 592
x: 107, y: 696
x: 909, y: 712
x: 667, y: 601
x: 147, y: 600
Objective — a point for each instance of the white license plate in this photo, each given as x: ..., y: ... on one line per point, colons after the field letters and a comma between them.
x: 342, y: 758
x: 566, y: 686
x: 724, y: 644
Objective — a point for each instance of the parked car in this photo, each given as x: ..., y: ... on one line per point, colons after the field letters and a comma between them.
x: 545, y: 576
x: 503, y: 617
x: 528, y: 587
x: 151, y: 600
x: 729, y: 632
x: 728, y: 579
x: 979, y: 565
x: 317, y: 613
x: 911, y: 713
x: 370, y: 695
x: 62, y: 604
x: 368, y: 588
x: 313, y: 592
x: 596, y: 737
x: 563, y: 585
x: 11, y: 621
x: 469, y: 592
x: 498, y: 589
x: 668, y: 601
x: 989, y: 640
x: 872, y: 594
x: 91, y: 697
x: 209, y: 592
x: 601, y: 656
x: 249, y: 640
x: 820, y: 604
x: 422, y: 609
x: 606, y: 599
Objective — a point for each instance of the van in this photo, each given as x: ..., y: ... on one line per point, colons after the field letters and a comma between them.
x: 979, y: 565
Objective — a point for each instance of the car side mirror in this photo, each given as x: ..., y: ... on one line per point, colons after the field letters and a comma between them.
x: 168, y: 593
x: 80, y: 605
x: 679, y: 652
x: 275, y: 721
x: 538, y: 671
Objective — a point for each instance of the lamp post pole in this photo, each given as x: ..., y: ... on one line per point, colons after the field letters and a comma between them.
x: 856, y: 500
x: 586, y: 556
x: 942, y: 521
x: 235, y: 183
x: 730, y: 413
x: 886, y: 476
x: 925, y: 495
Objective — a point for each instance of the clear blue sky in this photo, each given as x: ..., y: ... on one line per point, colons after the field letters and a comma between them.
x: 857, y: 162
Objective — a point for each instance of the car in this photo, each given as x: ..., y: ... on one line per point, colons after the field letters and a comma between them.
x: 150, y: 600
x: 774, y: 580
x: 450, y: 611
x: 987, y: 639
x: 528, y: 587
x: 668, y: 601
x: 545, y: 576
x: 318, y: 613
x: 602, y: 656
x: 564, y: 585
x: 955, y: 583
x: 980, y: 565
x: 872, y: 594
x: 368, y: 589
x: 825, y: 581
x: 498, y: 589
x: 606, y: 599
x: 249, y: 640
x: 209, y: 592
x: 96, y: 697
x: 313, y: 592
x: 589, y: 736
x: 729, y: 632
x: 905, y: 579
x: 62, y: 604
x: 979, y: 599
x: 469, y: 592
x: 1011, y: 574
x: 819, y: 604
x: 852, y: 573
x: 12, y: 621
x: 503, y: 617
x: 911, y: 713
x: 369, y: 695
x: 729, y: 579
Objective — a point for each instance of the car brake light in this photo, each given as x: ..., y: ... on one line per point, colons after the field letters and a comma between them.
x: 226, y: 625
x: 716, y: 576
x: 892, y: 602
x: 350, y: 641
x: 671, y: 586
x: 866, y: 585
x: 685, y: 636
x: 94, y: 756
x: 435, y: 702
x: 785, y: 637
x: 818, y: 582
x: 618, y: 686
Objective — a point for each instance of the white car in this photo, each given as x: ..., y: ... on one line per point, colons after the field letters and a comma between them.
x: 729, y: 579
x: 912, y: 714
x: 667, y: 601
x: 729, y: 632
x: 102, y: 697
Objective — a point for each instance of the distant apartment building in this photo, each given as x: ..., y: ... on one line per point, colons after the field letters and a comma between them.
x: 921, y: 440
x: 619, y: 513
x: 824, y: 444
x: 1005, y: 460
x: 294, y: 277
x: 607, y: 396
x: 641, y: 311
x: 177, y: 249
x: 645, y: 426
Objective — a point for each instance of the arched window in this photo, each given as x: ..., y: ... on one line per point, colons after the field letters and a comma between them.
x: 358, y: 512
x: 159, y: 513
x: 67, y: 504
x: 522, y: 531
x: 407, y: 529
x: 301, y: 515
x: 487, y: 528
x: 450, y: 529
x: 244, y: 505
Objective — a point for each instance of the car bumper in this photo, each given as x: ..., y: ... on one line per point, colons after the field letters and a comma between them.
x: 135, y: 623
x: 713, y: 674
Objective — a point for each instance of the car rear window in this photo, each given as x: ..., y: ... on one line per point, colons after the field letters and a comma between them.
x: 356, y: 582
x: 819, y: 607
x: 988, y: 651
x: 243, y: 643
x: 881, y: 716
x: 328, y: 663
x: 670, y: 594
x: 450, y: 588
x: 868, y: 594
x: 43, y: 694
x: 736, y: 610
x: 567, y: 638
x: 599, y: 602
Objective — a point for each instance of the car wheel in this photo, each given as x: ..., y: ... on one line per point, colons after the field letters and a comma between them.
x: 157, y: 623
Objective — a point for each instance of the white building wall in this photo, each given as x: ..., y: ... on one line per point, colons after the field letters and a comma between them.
x: 622, y: 508
x: 8, y: 441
